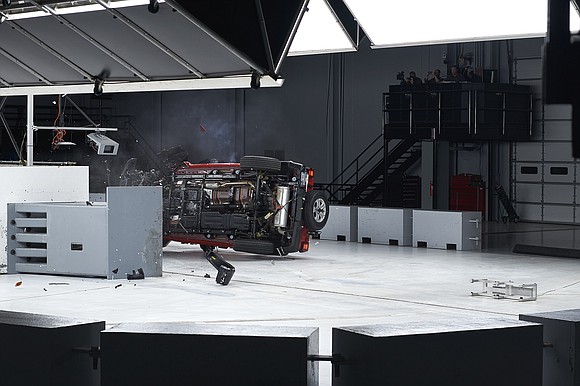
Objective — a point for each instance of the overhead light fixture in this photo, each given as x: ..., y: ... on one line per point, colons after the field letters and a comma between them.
x: 395, y: 24
x: 320, y: 32
x: 25, y: 15
x: 67, y: 10
x: 131, y: 3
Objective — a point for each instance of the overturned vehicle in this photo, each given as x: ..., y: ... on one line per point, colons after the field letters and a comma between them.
x: 260, y: 205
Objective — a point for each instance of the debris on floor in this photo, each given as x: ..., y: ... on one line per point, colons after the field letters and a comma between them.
x: 18, y: 283
x: 206, y: 276
x: 139, y: 275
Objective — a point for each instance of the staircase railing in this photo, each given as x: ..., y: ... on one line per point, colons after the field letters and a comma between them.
x: 362, y: 177
x: 352, y: 174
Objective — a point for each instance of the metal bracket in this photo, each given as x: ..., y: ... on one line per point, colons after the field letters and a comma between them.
x: 507, y: 290
x: 335, y: 359
x: 93, y: 352
x: 225, y: 269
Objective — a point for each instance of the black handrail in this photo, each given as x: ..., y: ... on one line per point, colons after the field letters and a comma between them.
x: 333, y: 188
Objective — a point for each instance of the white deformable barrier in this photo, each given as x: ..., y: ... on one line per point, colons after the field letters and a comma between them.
x: 385, y: 226
x: 447, y: 229
x: 342, y: 224
x: 39, y: 184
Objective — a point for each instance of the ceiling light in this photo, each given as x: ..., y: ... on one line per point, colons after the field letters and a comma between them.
x: 78, y: 9
x: 130, y: 3
x: 392, y: 24
x: 320, y: 32
x: 26, y: 15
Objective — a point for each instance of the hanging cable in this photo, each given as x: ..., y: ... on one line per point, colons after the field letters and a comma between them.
x: 60, y: 133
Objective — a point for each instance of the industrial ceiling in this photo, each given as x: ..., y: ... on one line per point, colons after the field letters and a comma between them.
x: 84, y: 46
x: 116, y: 45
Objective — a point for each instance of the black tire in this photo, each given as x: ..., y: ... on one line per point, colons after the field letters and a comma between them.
x: 6, y: 3
x: 260, y: 163
x: 315, y: 212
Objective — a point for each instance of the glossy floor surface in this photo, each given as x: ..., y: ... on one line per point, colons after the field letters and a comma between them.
x: 335, y: 284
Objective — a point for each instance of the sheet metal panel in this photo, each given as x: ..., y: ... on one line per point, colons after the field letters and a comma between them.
x: 531, y: 212
x: 529, y: 193
x: 35, y: 57
x: 559, y: 194
x: 13, y: 73
x: 558, y: 152
x: 63, y: 40
x: 555, y: 213
x: 553, y: 130
x: 129, y: 45
x: 528, y: 172
x: 529, y: 151
x: 37, y: 184
x: 552, y: 173
x: 186, y: 40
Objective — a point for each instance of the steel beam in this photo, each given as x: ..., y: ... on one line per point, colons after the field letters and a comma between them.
x: 7, y: 127
x: 291, y: 39
x: 30, y: 130
x: 81, y: 111
x: 166, y: 85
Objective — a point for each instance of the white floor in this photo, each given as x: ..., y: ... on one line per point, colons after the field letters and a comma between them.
x: 334, y: 284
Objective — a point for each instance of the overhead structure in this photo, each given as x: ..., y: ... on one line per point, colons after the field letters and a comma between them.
x: 52, y: 47
x: 418, y: 22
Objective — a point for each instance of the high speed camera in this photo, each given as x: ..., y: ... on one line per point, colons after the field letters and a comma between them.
x: 102, y: 144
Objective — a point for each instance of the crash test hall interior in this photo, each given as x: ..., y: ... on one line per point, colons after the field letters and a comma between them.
x: 306, y: 192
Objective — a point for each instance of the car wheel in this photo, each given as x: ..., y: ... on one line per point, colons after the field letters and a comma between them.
x: 315, y: 211
x: 256, y: 162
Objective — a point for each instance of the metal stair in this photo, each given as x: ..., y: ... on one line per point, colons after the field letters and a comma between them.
x: 372, y: 188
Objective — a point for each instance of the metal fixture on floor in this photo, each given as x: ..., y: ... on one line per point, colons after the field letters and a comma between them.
x: 507, y: 290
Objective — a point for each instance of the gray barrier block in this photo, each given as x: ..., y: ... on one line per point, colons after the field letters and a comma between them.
x: 45, y: 350
x: 452, y: 353
x: 197, y: 354
x: 562, y: 339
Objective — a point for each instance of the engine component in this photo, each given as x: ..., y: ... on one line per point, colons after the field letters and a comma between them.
x: 282, y: 200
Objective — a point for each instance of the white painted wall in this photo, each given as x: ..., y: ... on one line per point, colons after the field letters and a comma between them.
x: 38, y: 184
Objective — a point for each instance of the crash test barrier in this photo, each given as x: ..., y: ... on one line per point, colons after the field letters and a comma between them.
x: 561, y: 346
x: 219, y: 355
x: 117, y: 239
x: 471, y: 352
x: 342, y: 224
x: 48, y: 350
x: 447, y: 229
x: 389, y: 226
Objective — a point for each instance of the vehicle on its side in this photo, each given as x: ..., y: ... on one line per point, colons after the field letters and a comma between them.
x: 260, y: 205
